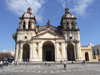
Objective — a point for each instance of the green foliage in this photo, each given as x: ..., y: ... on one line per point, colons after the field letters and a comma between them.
x: 14, y: 36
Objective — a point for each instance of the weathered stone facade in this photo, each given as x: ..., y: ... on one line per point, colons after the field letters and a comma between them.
x: 40, y: 43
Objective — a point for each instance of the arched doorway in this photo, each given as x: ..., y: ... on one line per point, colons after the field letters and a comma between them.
x: 86, y: 56
x: 70, y: 52
x: 26, y: 52
x: 48, y: 52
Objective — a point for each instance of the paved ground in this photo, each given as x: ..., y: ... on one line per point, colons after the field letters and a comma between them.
x: 72, y: 69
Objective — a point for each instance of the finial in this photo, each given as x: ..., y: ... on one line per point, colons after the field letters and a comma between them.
x: 67, y: 10
x: 29, y: 10
x: 48, y: 21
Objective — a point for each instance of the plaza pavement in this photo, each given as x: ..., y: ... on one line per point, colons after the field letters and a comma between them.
x: 72, y: 69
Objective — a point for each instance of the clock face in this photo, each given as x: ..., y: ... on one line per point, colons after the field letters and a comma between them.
x: 27, y: 15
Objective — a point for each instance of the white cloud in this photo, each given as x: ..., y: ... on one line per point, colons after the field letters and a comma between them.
x: 20, y: 6
x: 77, y: 6
x: 81, y: 6
x: 63, y: 2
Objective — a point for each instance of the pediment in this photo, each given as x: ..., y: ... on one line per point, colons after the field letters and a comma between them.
x: 48, y: 34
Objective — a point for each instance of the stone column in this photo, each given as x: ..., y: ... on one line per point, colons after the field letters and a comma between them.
x: 21, y: 54
x: 64, y: 25
x: 66, y: 51
x: 62, y: 50
x: 64, y: 55
x: 56, y: 51
x: 41, y: 49
x: 39, y: 54
x: 33, y: 50
x: 78, y: 35
x: 16, y: 52
x: 26, y: 26
x: 78, y: 53
x: 30, y: 59
x: 69, y: 25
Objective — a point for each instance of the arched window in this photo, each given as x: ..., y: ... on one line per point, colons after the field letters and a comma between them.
x: 97, y: 51
x: 93, y: 52
x: 72, y: 25
x: 24, y: 25
x: 29, y: 25
x: 67, y: 25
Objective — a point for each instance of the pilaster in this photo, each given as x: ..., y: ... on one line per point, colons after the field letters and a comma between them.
x: 21, y: 53
x: 16, y: 52
x: 78, y: 53
x: 31, y: 52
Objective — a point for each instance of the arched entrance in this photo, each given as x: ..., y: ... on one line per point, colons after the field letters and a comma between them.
x: 26, y: 52
x: 70, y: 52
x: 48, y: 52
x: 86, y: 56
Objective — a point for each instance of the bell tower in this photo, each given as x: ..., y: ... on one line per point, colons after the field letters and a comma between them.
x: 27, y: 21
x: 71, y: 35
x: 26, y: 30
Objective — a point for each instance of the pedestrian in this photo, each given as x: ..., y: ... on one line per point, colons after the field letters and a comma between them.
x: 27, y: 63
x: 64, y: 64
x: 72, y: 62
x: 17, y: 63
x: 1, y: 64
x: 12, y: 63
x: 7, y: 63
x: 84, y: 62
x: 61, y: 60
x: 45, y: 63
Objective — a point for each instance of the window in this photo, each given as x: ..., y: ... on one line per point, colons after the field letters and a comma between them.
x: 70, y: 38
x: 72, y: 25
x: 24, y: 25
x: 29, y: 25
x: 67, y: 25
x: 25, y: 37
x: 93, y: 52
x: 97, y: 51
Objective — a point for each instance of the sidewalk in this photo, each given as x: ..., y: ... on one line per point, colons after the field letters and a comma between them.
x: 54, y: 63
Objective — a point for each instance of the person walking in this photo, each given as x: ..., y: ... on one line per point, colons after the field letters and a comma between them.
x: 83, y: 62
x: 64, y: 64
x: 12, y: 63
x: 61, y: 61
x: 27, y: 63
x: 7, y: 63
x: 1, y: 64
x: 45, y: 63
x: 17, y: 63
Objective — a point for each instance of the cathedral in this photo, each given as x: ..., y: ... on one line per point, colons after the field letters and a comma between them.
x: 48, y: 43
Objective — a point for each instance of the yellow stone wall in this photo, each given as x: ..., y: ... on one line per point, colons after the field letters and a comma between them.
x: 89, y: 50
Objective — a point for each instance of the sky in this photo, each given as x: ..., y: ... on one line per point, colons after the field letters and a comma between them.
x: 87, y: 13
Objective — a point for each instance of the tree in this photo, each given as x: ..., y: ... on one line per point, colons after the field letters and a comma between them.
x: 14, y: 36
x: 6, y: 55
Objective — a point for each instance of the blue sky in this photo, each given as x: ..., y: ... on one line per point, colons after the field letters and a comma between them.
x: 86, y: 11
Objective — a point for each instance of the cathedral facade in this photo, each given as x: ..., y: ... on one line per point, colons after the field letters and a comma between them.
x: 48, y: 43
